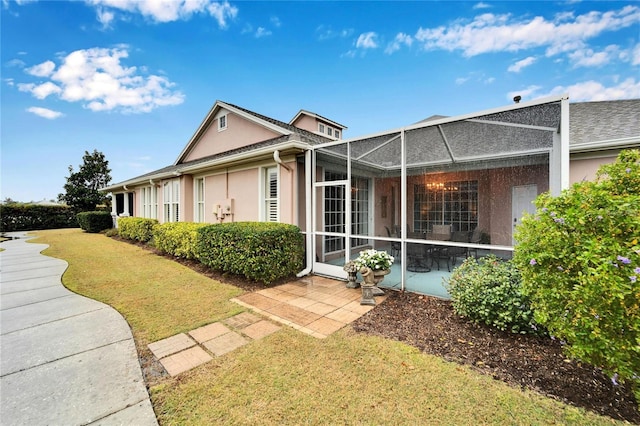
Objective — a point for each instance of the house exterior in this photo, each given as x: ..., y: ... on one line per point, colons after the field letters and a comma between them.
x: 477, y: 171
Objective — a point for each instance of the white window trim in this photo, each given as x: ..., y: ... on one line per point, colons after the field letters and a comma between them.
x: 264, y: 214
x: 197, y: 202
x: 226, y: 122
x: 172, y: 201
x: 321, y: 127
x: 149, y: 202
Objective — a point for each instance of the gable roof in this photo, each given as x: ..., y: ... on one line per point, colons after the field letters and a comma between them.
x: 291, y: 137
x: 317, y: 117
x: 272, y: 124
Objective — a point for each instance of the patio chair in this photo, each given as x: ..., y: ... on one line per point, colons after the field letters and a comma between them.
x: 417, y: 254
x: 476, y: 237
x: 396, y: 246
x: 455, y: 252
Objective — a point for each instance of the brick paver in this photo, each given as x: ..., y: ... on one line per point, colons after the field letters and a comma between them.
x: 171, y: 345
x: 185, y: 360
x: 225, y: 343
x: 209, y: 332
x: 242, y: 320
x: 260, y: 329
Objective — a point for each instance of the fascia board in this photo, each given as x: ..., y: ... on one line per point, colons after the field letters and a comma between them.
x: 630, y: 142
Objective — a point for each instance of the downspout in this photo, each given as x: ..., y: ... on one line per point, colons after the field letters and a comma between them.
x: 308, y: 193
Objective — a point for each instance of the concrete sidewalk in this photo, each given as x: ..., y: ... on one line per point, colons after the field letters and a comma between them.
x: 64, y: 358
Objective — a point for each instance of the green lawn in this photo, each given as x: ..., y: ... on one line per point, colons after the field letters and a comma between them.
x: 288, y: 377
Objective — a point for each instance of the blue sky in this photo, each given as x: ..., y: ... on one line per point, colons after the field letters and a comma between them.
x: 134, y: 78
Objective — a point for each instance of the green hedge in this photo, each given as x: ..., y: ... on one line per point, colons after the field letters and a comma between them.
x: 260, y: 251
x: 95, y: 222
x: 27, y: 217
x: 177, y: 238
x: 136, y: 228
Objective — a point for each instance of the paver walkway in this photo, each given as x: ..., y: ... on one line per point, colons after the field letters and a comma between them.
x: 183, y: 352
x: 66, y: 359
x: 314, y: 305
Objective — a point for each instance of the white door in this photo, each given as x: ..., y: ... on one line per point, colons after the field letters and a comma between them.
x: 522, y: 198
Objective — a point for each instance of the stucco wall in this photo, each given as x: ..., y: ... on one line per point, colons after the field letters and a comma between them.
x: 586, y: 168
x: 239, y: 133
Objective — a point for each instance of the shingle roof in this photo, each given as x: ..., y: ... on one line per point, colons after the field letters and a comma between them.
x: 604, y: 120
x: 312, y: 137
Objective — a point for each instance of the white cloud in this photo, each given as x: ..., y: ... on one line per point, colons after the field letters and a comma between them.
x: 262, y: 32
x: 518, y: 66
x: 529, y: 92
x: 42, y: 70
x: 496, y: 33
x: 9, y: 82
x: 635, y: 55
x: 589, y: 58
x: 398, y: 41
x: 481, y: 5
x: 19, y: 63
x: 45, y: 112
x: 461, y: 80
x: 164, y: 10
x: 275, y: 21
x: 97, y: 78
x: 326, y: 33
x: 596, y: 91
x: 367, y: 40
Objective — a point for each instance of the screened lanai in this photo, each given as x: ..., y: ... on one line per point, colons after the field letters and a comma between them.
x: 435, y: 192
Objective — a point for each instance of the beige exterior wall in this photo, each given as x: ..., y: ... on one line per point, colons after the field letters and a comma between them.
x: 307, y: 123
x: 585, y: 168
x: 239, y: 133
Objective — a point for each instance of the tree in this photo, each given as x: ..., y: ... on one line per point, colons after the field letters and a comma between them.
x: 83, y: 187
x: 580, y: 263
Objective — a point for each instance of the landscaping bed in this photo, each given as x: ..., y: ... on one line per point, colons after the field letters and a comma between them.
x: 523, y: 361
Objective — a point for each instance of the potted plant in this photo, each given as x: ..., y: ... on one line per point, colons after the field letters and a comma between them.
x: 378, y: 264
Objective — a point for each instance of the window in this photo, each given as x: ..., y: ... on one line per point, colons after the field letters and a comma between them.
x: 454, y: 203
x: 329, y: 131
x: 149, y: 200
x: 270, y: 191
x: 171, y: 200
x: 336, y: 133
x: 321, y: 127
x: 335, y: 210
x: 199, y: 200
x: 222, y: 122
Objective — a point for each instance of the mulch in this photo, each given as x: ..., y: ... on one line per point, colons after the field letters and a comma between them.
x: 523, y: 361
x: 430, y: 324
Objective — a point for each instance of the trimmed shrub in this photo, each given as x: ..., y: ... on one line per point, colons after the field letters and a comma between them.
x: 488, y: 291
x: 27, y: 217
x: 580, y: 262
x: 177, y: 238
x: 136, y: 228
x: 95, y: 222
x: 260, y: 251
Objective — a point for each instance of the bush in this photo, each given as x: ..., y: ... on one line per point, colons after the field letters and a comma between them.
x: 488, y: 291
x: 136, y: 228
x: 27, y: 217
x: 580, y: 262
x: 95, y: 222
x: 177, y: 238
x: 260, y: 251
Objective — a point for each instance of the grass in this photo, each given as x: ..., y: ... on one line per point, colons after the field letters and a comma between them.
x: 287, y: 377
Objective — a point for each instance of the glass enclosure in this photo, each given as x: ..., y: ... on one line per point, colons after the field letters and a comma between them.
x: 433, y: 193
